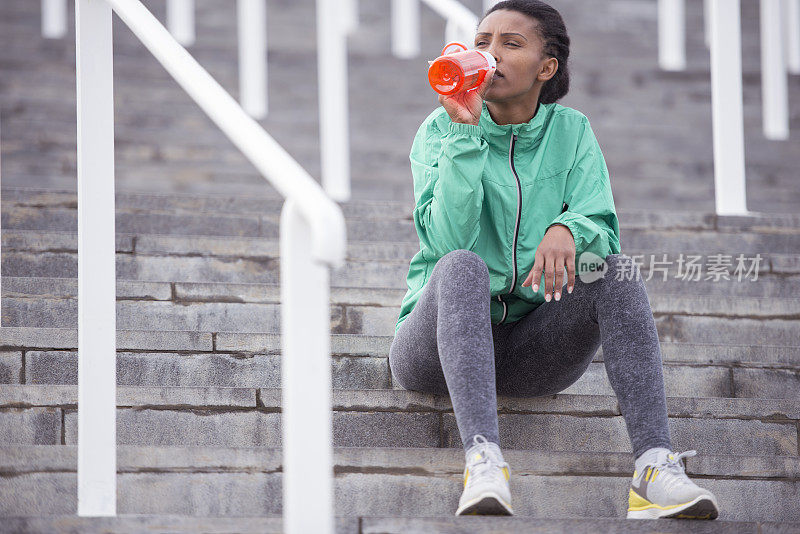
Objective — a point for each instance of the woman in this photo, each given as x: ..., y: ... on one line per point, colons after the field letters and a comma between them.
x: 508, y: 190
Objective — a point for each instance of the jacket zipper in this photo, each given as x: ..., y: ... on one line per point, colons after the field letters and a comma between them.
x: 516, y: 227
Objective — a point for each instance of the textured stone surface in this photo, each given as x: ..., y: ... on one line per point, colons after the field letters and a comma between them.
x: 157, y: 478
x: 10, y: 367
x: 650, y: 123
x: 198, y: 301
x: 204, y: 416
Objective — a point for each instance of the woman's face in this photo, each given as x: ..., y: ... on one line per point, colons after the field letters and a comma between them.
x: 511, y: 37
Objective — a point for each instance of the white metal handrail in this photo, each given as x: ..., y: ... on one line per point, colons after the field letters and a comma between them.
x: 726, y: 108
x: 180, y: 21
x: 312, y: 236
x: 780, y: 52
x: 460, y: 23
x: 252, y: 42
x: 333, y: 24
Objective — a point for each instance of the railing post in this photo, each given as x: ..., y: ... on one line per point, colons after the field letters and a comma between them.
x: 774, y: 94
x: 306, y: 384
x: 54, y: 18
x: 252, y: 21
x: 793, y: 35
x: 1, y: 224
x: 333, y: 102
x: 350, y: 15
x: 405, y: 29
x: 452, y: 32
x: 180, y: 21
x: 97, y: 357
x: 726, y: 95
x: 672, y: 34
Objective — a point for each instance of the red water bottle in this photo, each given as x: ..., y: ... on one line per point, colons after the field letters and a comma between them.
x: 459, y: 69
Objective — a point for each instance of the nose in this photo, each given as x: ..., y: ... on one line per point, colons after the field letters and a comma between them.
x: 492, y: 50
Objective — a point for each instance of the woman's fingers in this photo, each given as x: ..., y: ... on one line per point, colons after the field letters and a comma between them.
x: 549, y: 273
x: 487, y: 81
x: 553, y: 266
x: 570, y: 274
x: 559, y: 276
x: 536, y: 273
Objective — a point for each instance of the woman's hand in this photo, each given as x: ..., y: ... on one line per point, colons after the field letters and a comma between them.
x: 466, y: 106
x: 556, y: 250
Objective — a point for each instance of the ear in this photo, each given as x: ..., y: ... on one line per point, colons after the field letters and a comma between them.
x: 548, y: 70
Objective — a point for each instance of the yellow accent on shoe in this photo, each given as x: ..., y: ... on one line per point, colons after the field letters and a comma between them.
x: 506, y: 473
x: 655, y: 474
x: 636, y: 502
x: 647, y: 475
x: 466, y: 476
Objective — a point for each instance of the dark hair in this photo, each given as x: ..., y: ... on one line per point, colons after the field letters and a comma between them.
x: 553, y: 32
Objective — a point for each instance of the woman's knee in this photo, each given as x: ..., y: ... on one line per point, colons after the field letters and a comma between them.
x: 618, y: 269
x: 412, y: 379
x: 410, y: 373
x: 463, y: 263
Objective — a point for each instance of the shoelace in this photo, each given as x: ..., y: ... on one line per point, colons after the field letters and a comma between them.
x: 673, y: 465
x: 487, y: 458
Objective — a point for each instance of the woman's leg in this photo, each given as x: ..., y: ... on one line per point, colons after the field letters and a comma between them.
x: 445, y: 344
x: 551, y: 347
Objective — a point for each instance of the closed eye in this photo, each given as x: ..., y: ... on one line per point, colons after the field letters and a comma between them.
x: 482, y: 42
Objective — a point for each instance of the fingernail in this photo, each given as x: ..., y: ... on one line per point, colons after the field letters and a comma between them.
x: 547, y: 297
x: 558, y: 296
x: 536, y: 287
x: 569, y: 289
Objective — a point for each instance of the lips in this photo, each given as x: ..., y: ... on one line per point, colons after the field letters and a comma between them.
x: 497, y: 74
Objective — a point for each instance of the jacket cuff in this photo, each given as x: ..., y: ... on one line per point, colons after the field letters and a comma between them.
x: 565, y: 219
x: 465, y: 129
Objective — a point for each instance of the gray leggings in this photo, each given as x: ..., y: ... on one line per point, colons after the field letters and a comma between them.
x: 448, y: 345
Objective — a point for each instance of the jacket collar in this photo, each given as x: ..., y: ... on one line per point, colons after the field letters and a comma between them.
x: 526, y: 132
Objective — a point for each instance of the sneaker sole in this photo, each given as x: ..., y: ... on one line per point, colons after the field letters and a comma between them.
x: 702, y: 507
x: 488, y: 503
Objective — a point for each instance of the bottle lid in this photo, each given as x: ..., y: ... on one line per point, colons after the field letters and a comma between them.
x: 453, y: 48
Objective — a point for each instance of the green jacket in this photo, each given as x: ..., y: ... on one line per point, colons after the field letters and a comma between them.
x: 495, y: 189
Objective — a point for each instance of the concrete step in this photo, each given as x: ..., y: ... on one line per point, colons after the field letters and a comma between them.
x: 135, y: 523
x: 227, y: 205
x: 691, y: 302
x: 247, y: 481
x: 686, y: 185
x: 254, y: 246
x: 641, y: 85
x: 60, y: 214
x: 246, y: 359
x: 177, y: 203
x: 251, y: 417
x: 678, y: 318
x: 390, y: 182
x: 756, y: 274
x: 23, y: 294
x: 765, y: 232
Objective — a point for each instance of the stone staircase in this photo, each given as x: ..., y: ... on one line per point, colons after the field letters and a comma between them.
x: 199, y: 403
x: 198, y: 342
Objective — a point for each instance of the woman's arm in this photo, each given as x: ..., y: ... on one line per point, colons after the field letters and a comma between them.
x: 591, y: 216
x: 447, y: 169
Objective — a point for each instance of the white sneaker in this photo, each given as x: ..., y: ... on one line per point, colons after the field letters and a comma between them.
x: 486, y: 475
x: 662, y: 489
